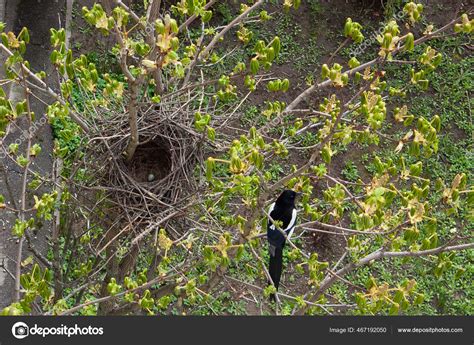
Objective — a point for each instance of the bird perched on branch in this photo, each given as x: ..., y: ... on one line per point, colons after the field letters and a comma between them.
x: 283, y: 213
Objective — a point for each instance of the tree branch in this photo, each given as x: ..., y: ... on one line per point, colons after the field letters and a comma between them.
x: 378, y: 255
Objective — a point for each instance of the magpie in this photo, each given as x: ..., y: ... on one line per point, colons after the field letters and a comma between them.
x: 284, y: 211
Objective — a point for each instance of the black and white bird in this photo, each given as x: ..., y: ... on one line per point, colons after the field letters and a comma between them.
x: 284, y: 211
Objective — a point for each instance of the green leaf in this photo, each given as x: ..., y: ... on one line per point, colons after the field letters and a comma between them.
x: 394, y: 309
x: 326, y: 154
x: 211, y: 133
x: 206, y: 16
x: 24, y: 35
x: 254, y: 65
x: 276, y: 45
x: 409, y: 42
x: 210, y: 165
x: 35, y: 150
x: 22, y: 161
x: 285, y: 84
x: 269, y: 290
x: 19, y: 228
x: 13, y: 148
x: 415, y: 169
x: 353, y: 62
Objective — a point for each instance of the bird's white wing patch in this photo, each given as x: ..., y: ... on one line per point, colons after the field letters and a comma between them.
x: 291, y: 226
x: 270, y: 210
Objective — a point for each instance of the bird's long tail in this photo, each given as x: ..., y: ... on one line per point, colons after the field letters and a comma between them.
x: 275, y: 265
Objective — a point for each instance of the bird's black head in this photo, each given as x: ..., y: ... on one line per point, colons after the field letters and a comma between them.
x: 287, y: 198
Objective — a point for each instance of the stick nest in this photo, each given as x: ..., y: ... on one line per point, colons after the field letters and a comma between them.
x: 159, y: 179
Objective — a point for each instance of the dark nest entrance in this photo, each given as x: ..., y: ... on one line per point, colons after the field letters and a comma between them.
x: 151, y: 162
